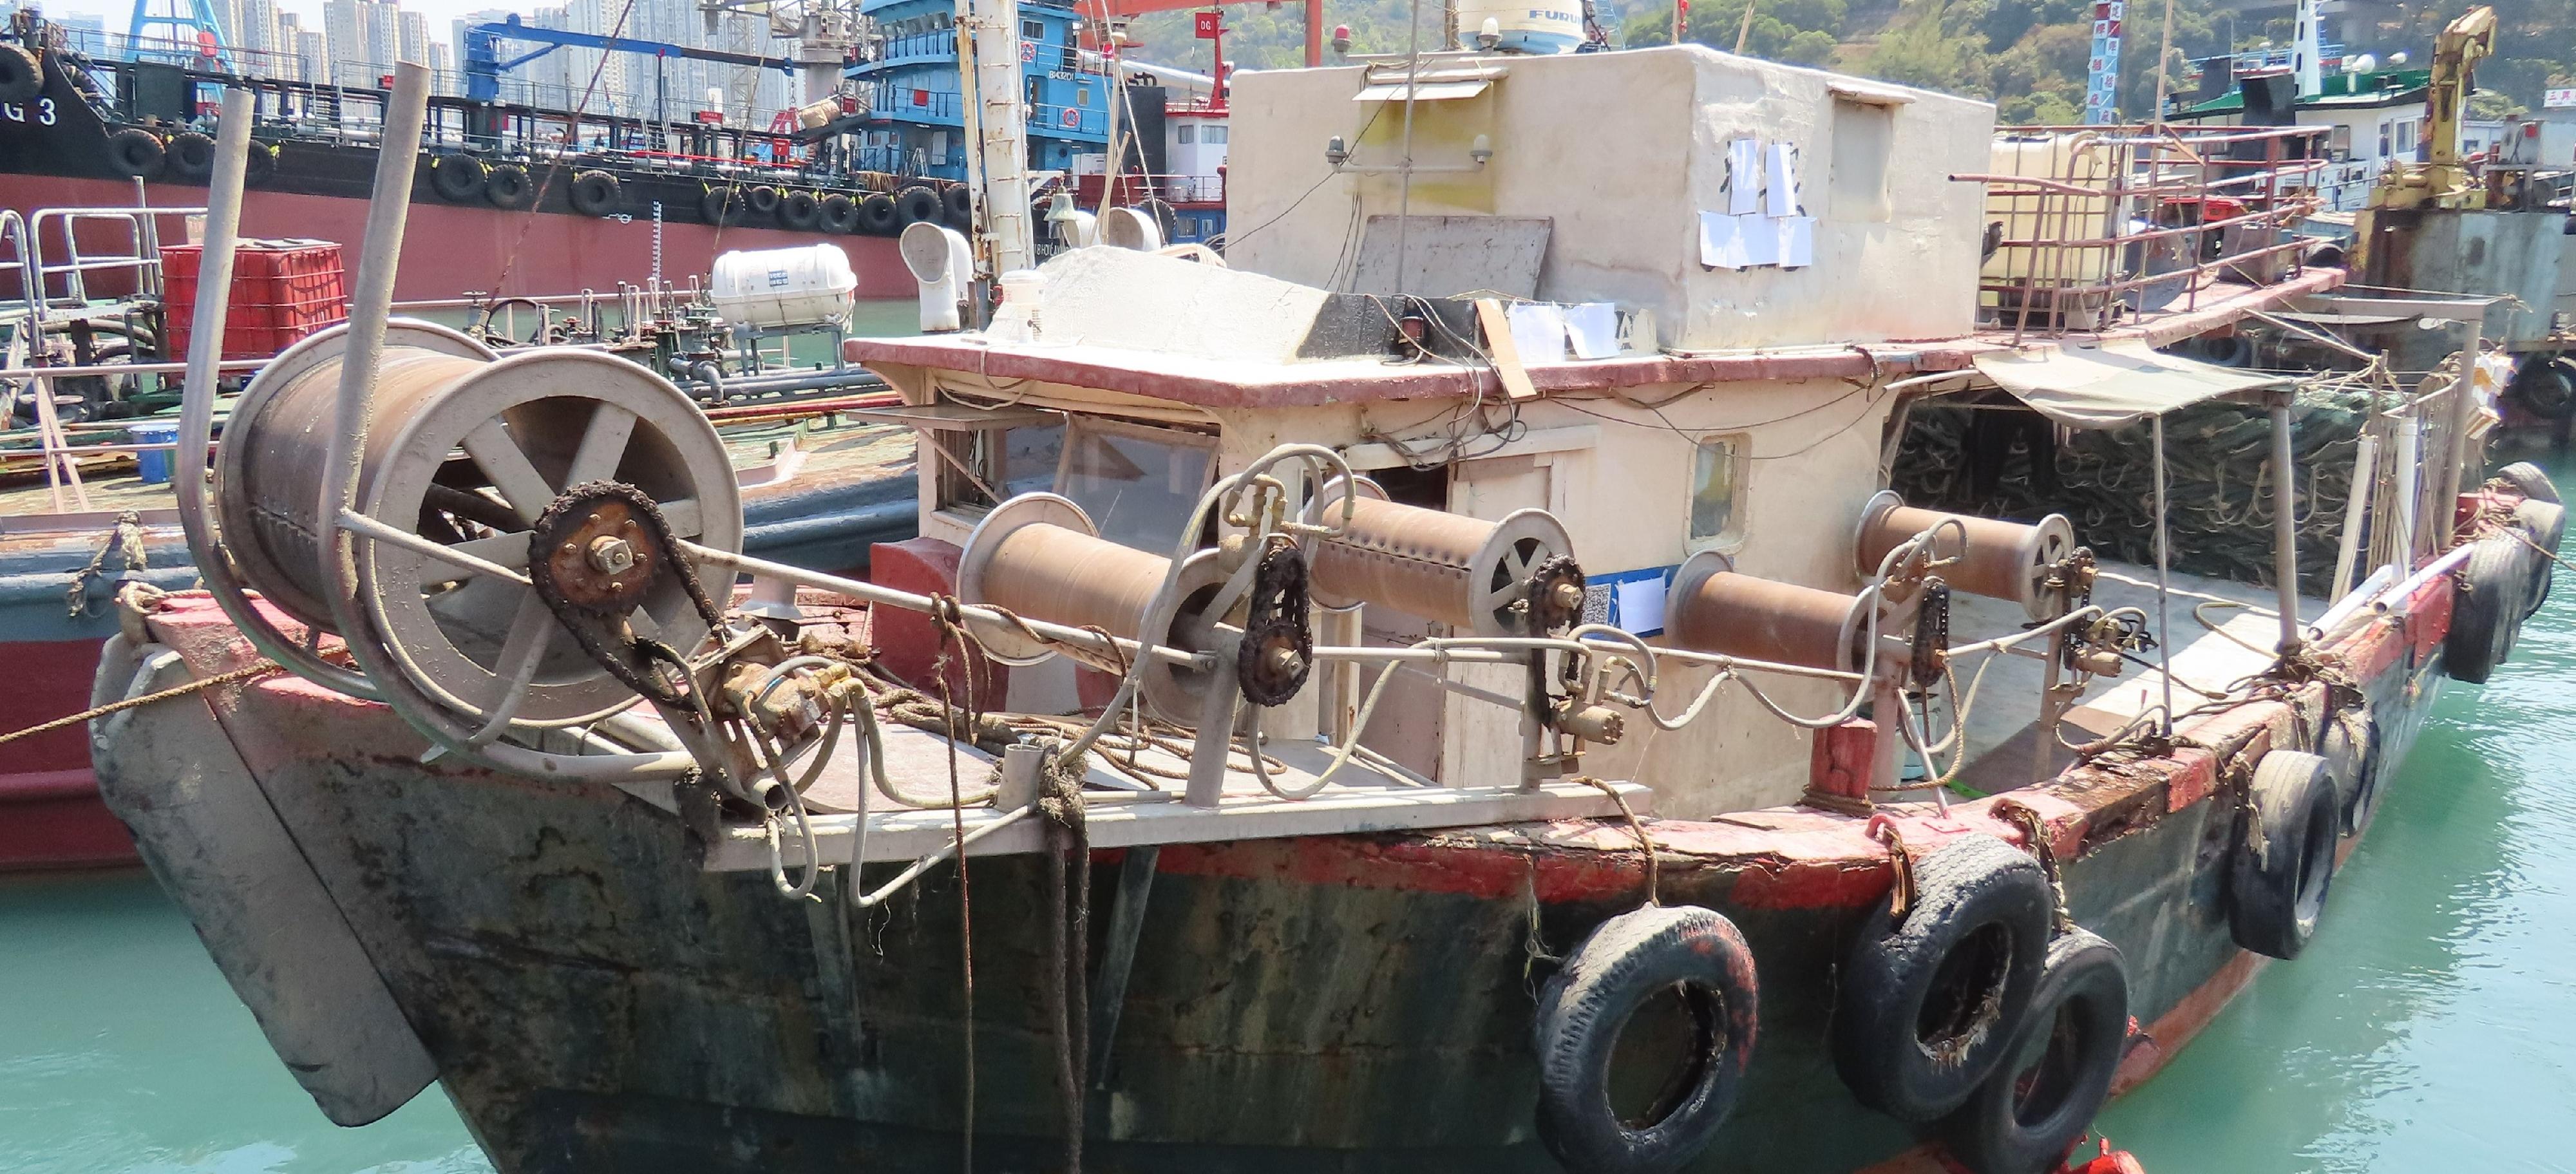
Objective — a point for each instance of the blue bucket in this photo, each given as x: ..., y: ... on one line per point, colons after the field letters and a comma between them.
x: 152, y: 465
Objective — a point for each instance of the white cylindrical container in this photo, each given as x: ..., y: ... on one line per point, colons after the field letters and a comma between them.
x: 772, y: 288
x: 1016, y: 319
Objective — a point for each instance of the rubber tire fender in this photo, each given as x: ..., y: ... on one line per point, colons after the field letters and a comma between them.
x: 2528, y: 480
x: 916, y: 204
x: 2284, y: 863
x: 877, y: 215
x: 2350, y: 746
x: 192, y: 155
x: 720, y: 204
x: 2082, y: 1005
x: 507, y: 186
x: 22, y: 76
x: 1624, y: 962
x: 137, y: 153
x: 2546, y: 389
x: 260, y: 163
x: 2546, y: 524
x: 839, y: 213
x: 1976, y: 893
x: 596, y: 193
x: 2482, y: 617
x: 799, y: 210
x: 957, y: 207
x: 764, y: 199
x: 458, y: 179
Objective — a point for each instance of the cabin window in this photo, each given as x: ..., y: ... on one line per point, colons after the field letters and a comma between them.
x: 1138, y: 483
x: 1185, y: 134
x: 1215, y: 136
x: 1031, y: 30
x: 2339, y: 143
x: 1717, y: 491
x: 1863, y: 137
x: 2406, y: 137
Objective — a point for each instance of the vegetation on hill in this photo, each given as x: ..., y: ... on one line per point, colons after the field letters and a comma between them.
x: 2026, y: 56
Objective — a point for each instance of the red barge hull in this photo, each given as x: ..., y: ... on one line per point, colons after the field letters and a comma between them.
x: 450, y: 250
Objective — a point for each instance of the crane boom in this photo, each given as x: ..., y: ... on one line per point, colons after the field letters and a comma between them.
x: 484, y: 66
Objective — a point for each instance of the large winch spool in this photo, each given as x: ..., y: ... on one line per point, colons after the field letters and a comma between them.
x: 1994, y: 558
x: 1471, y: 574
x: 1039, y: 556
x: 467, y: 449
x: 1713, y: 608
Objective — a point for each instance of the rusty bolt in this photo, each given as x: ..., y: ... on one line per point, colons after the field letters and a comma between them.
x: 1568, y: 597
x: 1283, y: 662
x: 611, y: 555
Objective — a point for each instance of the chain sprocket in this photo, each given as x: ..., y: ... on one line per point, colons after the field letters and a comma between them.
x: 1555, y: 595
x: 594, y: 556
x: 1278, y: 648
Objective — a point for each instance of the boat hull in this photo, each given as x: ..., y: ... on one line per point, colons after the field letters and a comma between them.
x: 453, y: 250
x: 594, y: 1000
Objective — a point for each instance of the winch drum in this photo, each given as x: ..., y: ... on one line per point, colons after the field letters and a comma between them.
x: 1448, y: 568
x: 1039, y: 555
x: 1995, y: 558
x: 1714, y: 608
x: 449, y: 421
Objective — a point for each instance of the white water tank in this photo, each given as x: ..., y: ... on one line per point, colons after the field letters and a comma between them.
x: 771, y: 288
x: 1524, y: 26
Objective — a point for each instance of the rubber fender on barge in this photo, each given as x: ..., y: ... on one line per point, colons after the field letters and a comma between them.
x: 508, y: 188
x: 2285, y: 861
x: 137, y: 153
x: 2493, y: 591
x: 192, y: 155
x: 1626, y: 963
x: 1929, y: 1000
x: 457, y: 178
x: 2059, y: 1066
x: 596, y: 193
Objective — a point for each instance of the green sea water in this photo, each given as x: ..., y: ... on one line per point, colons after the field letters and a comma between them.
x: 2431, y: 1026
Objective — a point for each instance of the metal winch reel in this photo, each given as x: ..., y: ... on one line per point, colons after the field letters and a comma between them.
x: 2021, y: 562
x: 1482, y: 578
x: 1040, y: 556
x: 1715, y: 608
x: 470, y: 451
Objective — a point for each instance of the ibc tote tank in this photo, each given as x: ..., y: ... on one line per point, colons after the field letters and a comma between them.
x: 1528, y: 26
x: 2077, y: 160
x: 768, y: 289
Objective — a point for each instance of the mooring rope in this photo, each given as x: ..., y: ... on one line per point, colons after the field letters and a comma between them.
x: 244, y: 673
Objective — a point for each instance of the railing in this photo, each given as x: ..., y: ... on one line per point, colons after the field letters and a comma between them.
x: 910, y: 46
x: 1135, y: 189
x: 2097, y: 222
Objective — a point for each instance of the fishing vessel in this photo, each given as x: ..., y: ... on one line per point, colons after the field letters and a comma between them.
x: 1496, y: 670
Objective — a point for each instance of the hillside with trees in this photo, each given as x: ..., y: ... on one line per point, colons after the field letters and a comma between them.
x: 2026, y: 56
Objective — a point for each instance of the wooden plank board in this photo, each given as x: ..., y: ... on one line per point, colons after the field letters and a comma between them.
x: 1507, y: 355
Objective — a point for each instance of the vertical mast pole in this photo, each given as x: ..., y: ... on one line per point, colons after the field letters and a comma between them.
x: 999, y: 131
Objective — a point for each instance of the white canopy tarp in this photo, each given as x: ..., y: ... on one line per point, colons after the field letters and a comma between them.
x: 2114, y: 383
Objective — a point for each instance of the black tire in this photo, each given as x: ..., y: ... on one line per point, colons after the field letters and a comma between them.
x: 2350, y: 746
x: 596, y: 193
x: 2491, y: 597
x: 721, y: 204
x: 764, y: 199
x: 1927, y: 1004
x: 839, y: 214
x: 2545, y: 388
x: 1164, y: 220
x: 2284, y: 865
x: 508, y: 187
x: 1694, y: 954
x: 2058, y: 1070
x: 458, y: 179
x: 2527, y: 480
x: 260, y: 163
x: 877, y: 216
x: 137, y: 152
x: 799, y: 210
x: 957, y: 207
x: 915, y: 205
x: 192, y: 155
x: 22, y: 77
x: 2545, y: 523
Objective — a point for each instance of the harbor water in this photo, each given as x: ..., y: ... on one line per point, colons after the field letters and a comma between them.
x: 2431, y: 1025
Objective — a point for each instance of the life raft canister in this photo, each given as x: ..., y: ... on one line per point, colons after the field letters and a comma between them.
x: 2058, y: 1066
x: 1627, y: 962
x: 1927, y: 1003
x: 2285, y: 860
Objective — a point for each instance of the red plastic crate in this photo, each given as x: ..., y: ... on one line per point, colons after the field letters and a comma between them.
x: 282, y: 291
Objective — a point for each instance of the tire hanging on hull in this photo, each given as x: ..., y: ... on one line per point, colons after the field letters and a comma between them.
x: 137, y: 153
x: 596, y: 193
x: 508, y: 188
x: 2058, y: 1067
x: 2285, y: 862
x: 1627, y: 962
x: 192, y: 156
x: 839, y: 213
x: 799, y: 210
x: 1929, y: 1000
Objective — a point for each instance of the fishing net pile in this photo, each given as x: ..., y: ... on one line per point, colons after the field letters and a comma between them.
x: 2218, y: 480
